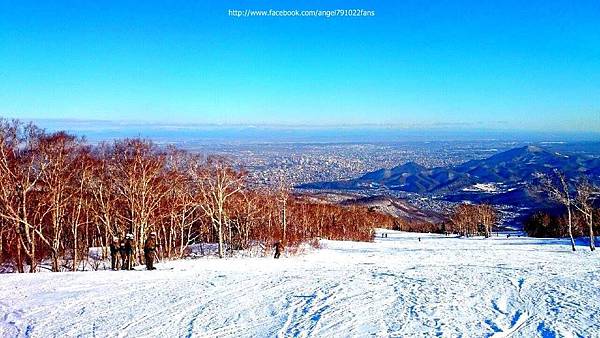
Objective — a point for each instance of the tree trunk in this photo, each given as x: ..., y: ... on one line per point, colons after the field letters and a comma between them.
x: 54, y: 260
x: 284, y: 221
x: 570, y: 228
x: 107, y: 239
x: 20, y: 268
x: 75, y: 248
x: 591, y: 225
x: 181, y: 245
x: 220, y: 234
x: 33, y: 265
x: 230, y: 239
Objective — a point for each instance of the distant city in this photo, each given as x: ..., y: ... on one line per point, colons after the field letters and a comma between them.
x: 299, y: 163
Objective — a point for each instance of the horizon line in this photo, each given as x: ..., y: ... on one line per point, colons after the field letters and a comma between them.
x: 434, y: 126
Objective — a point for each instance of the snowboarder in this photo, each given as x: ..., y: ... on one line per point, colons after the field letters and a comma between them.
x: 150, y: 251
x: 114, y: 252
x: 126, y: 252
x: 278, y: 249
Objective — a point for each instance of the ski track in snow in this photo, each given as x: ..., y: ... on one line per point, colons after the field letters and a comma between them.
x: 396, y: 286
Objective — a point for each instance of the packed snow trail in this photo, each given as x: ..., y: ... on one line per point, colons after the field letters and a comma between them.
x: 397, y: 286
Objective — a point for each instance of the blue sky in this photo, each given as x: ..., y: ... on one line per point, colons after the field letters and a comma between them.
x: 526, y: 65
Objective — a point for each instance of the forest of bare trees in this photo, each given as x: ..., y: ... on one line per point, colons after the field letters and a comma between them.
x: 59, y: 197
x: 472, y: 219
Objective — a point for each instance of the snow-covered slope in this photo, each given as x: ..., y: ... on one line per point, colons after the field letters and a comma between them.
x: 397, y: 286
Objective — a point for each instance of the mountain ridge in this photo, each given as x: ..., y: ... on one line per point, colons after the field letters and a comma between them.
x: 512, y: 169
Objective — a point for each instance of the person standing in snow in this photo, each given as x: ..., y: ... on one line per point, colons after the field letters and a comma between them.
x: 127, y: 252
x: 114, y: 252
x: 278, y: 249
x: 122, y: 251
x: 150, y: 251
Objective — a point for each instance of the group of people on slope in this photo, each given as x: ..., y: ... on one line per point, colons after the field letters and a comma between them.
x: 125, y: 247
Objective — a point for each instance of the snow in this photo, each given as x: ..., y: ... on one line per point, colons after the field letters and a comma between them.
x: 396, y: 286
x: 483, y: 187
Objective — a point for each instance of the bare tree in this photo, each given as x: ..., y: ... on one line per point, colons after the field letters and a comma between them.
x: 488, y: 217
x: 78, y: 212
x: 585, y: 196
x: 283, y: 195
x: 558, y: 190
x: 470, y: 219
x: 21, y: 168
x: 184, y: 213
x: 138, y: 170
x: 104, y: 199
x: 461, y: 219
x: 219, y: 182
x: 62, y: 185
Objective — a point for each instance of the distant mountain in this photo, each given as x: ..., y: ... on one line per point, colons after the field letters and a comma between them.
x: 519, y: 164
x: 503, y: 176
x: 396, y: 207
x: 393, y: 206
x: 409, y: 168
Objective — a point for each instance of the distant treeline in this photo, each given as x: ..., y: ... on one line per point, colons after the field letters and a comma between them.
x: 554, y: 223
x: 464, y: 219
x: 60, y: 196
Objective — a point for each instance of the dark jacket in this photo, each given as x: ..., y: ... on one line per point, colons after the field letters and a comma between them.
x: 150, y: 245
x: 114, y: 248
x: 127, y: 247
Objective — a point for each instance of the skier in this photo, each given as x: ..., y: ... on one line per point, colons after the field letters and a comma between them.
x: 126, y: 252
x: 150, y: 251
x: 114, y: 251
x: 278, y: 249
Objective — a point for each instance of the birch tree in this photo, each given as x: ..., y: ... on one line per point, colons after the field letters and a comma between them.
x: 559, y: 191
x: 137, y: 172
x: 21, y: 169
x: 283, y: 195
x: 62, y: 185
x: 584, y: 203
x: 105, y: 204
x: 184, y: 212
x: 218, y: 183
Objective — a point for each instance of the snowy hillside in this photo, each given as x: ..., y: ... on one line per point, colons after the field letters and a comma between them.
x: 397, y: 286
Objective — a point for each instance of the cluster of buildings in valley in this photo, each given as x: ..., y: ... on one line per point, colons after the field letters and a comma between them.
x: 297, y: 163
